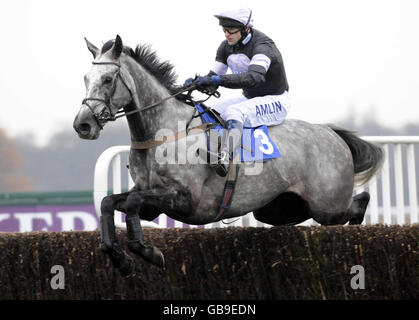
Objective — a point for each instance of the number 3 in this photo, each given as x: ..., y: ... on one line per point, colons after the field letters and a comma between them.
x: 265, y: 142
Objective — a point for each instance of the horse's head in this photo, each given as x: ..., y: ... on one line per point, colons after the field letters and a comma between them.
x: 106, y: 90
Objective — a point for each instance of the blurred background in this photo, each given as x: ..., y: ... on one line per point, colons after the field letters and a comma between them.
x: 352, y: 63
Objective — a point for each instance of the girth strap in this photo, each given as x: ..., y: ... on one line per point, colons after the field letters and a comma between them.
x: 233, y: 173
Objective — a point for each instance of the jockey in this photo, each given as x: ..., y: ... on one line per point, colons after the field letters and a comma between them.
x: 257, y: 68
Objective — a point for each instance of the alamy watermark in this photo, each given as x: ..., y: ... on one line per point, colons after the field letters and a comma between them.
x: 58, y: 280
x: 358, y: 280
x: 192, y: 149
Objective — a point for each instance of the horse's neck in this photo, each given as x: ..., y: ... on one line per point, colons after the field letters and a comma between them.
x: 144, y: 125
x: 135, y: 124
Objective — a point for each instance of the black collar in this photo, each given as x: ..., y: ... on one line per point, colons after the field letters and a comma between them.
x: 243, y: 42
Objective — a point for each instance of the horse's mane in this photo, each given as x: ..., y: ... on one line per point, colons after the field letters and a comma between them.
x: 163, y: 71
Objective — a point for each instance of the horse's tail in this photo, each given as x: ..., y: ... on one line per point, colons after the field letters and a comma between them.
x: 367, y: 157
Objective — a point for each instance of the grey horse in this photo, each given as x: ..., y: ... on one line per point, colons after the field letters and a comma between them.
x: 314, y: 178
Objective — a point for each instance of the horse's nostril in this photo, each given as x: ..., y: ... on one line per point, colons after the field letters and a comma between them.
x: 84, y: 128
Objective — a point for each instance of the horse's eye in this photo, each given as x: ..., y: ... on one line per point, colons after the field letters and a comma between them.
x: 107, y: 80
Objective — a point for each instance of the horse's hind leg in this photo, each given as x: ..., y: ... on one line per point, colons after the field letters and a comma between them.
x: 119, y: 258
x: 286, y: 209
x: 331, y: 218
x: 354, y: 214
x: 358, y: 207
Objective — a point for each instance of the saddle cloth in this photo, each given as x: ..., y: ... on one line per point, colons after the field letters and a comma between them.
x: 256, y: 142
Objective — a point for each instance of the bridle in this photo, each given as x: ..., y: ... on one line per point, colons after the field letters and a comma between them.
x: 106, y: 114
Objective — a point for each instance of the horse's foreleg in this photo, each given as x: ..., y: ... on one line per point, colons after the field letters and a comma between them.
x: 174, y: 199
x: 134, y: 231
x: 110, y: 246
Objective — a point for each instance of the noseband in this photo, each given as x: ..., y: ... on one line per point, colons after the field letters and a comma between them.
x: 106, y: 114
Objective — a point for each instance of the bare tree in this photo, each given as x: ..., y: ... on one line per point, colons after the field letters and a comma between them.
x: 11, y: 163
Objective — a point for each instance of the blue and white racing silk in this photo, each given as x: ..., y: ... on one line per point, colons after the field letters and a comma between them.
x: 257, y: 144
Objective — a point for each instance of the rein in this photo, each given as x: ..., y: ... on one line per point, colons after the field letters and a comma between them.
x: 155, y: 104
x: 106, y: 114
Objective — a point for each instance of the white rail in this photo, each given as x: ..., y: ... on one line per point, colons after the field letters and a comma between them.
x: 111, y: 157
x: 386, y: 185
x: 387, y: 213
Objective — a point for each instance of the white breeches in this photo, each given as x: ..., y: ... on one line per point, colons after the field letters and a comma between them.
x: 266, y: 110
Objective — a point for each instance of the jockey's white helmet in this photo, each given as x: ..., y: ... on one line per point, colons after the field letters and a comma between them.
x: 236, y: 18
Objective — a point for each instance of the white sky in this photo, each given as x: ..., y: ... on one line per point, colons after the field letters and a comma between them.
x: 358, y: 56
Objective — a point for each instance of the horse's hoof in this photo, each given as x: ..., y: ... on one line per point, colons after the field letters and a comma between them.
x: 127, y: 266
x: 149, y: 253
x: 154, y: 256
x: 356, y: 220
x: 158, y: 258
x: 361, y: 200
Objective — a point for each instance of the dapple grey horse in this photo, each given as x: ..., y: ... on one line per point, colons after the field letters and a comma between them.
x: 314, y: 178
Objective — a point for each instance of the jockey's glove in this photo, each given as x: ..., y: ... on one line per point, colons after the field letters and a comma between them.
x: 188, y: 82
x: 207, y: 82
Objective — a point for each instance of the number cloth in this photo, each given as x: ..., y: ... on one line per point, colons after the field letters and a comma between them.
x: 257, y: 143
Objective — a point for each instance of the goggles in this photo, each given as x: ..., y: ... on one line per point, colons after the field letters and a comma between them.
x: 230, y: 30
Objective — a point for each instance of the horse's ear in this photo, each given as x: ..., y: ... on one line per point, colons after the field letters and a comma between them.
x: 117, y: 47
x: 92, y: 48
